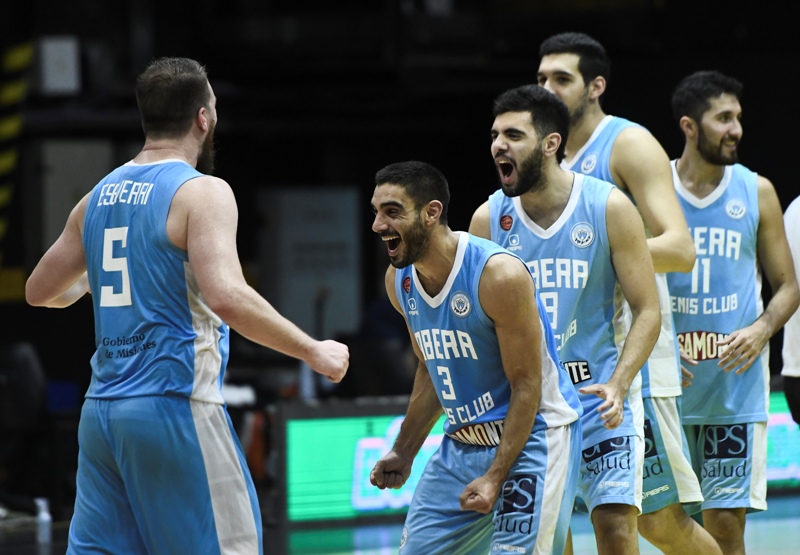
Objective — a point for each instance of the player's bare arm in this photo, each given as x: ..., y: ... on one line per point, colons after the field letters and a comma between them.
x: 206, y: 209
x: 479, y: 225
x: 58, y: 280
x: 507, y: 296
x: 744, y: 346
x: 640, y: 164
x: 634, y: 268
x: 424, y: 409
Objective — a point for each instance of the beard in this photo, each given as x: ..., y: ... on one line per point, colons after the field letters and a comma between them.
x: 576, y: 114
x: 208, y: 152
x: 529, y: 175
x: 415, y: 244
x: 712, y: 153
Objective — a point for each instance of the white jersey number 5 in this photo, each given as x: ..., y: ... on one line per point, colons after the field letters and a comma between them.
x: 119, y: 264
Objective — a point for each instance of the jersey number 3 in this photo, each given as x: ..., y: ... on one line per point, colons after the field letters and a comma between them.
x: 115, y: 264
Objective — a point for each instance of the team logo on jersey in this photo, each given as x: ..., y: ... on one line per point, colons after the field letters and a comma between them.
x: 736, y: 209
x: 407, y: 284
x: 582, y: 235
x: 505, y: 222
x: 460, y: 305
x: 404, y: 536
x: 412, y: 304
x: 589, y: 163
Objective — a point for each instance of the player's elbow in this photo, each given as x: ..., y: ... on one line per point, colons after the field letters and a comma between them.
x: 686, y: 259
x: 35, y: 295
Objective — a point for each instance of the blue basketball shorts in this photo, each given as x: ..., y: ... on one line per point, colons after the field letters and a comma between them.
x: 668, y: 476
x: 162, y: 475
x: 531, y: 515
x: 731, y: 462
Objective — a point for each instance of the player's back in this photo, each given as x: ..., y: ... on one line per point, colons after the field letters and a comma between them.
x: 154, y: 333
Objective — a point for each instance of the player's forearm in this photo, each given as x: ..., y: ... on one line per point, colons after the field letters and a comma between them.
x: 247, y: 312
x: 424, y: 409
x: 642, y: 337
x: 522, y: 410
x: 781, y: 307
x: 75, y: 292
x: 672, y: 251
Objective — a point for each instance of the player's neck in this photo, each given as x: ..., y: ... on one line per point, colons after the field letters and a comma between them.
x: 434, y: 267
x: 155, y: 150
x: 581, y: 131
x: 546, y: 203
x: 699, y: 177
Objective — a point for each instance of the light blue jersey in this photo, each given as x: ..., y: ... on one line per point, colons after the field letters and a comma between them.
x: 154, y: 333
x: 459, y: 344
x: 661, y: 376
x: 571, y: 265
x: 721, y: 294
x: 158, y: 451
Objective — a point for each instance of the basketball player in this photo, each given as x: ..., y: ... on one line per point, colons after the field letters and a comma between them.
x: 735, y: 219
x: 580, y: 235
x: 160, y: 469
x: 576, y: 68
x: 791, y: 331
x: 504, y: 477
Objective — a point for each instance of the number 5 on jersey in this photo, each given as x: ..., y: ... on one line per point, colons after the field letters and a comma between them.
x: 115, y: 264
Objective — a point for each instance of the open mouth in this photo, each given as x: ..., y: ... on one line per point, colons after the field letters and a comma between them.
x: 392, y: 243
x: 506, y: 169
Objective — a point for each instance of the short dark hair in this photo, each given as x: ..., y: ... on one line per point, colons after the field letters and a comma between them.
x: 422, y: 182
x: 692, y: 97
x: 592, y: 57
x: 169, y: 93
x: 548, y: 113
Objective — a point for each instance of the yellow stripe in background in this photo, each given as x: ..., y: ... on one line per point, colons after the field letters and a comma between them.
x: 17, y: 58
x: 8, y: 161
x: 10, y: 127
x: 6, y: 193
x: 13, y: 92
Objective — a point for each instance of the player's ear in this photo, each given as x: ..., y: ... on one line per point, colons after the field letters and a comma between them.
x: 688, y: 126
x: 551, y: 143
x: 433, y: 211
x: 597, y: 87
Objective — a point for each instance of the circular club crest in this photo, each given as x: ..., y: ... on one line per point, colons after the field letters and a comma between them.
x: 407, y: 284
x: 460, y: 305
x: 505, y: 222
x: 736, y: 209
x: 588, y: 163
x: 582, y: 235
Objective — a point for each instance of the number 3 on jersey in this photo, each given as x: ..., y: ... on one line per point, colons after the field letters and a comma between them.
x: 115, y: 264
x: 448, y: 393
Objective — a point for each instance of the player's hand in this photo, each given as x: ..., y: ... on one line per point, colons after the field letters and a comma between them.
x: 743, y: 347
x: 480, y: 495
x: 686, y: 376
x: 611, y: 411
x: 391, y: 471
x: 330, y: 359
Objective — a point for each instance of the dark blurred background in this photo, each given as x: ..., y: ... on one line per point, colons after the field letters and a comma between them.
x: 321, y: 94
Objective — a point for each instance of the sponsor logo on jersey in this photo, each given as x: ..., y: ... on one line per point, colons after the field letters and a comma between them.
x: 701, y: 345
x: 460, y: 305
x: 514, y: 242
x: 506, y: 222
x: 614, y: 453
x: 736, y: 209
x: 412, y: 306
x: 652, y: 458
x: 582, y: 235
x: 725, y: 441
x: 589, y: 162
x: 517, y: 505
